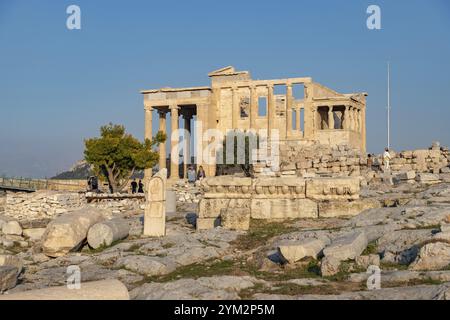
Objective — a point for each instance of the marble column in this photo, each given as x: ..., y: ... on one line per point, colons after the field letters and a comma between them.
x: 187, y: 143
x: 148, y: 135
x: 330, y: 118
x: 253, y: 107
x: 289, y: 106
x: 346, y: 120
x: 271, y: 112
x: 162, y: 146
x: 175, y: 139
x: 236, y: 114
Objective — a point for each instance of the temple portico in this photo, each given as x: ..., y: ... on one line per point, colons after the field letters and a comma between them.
x: 300, y: 109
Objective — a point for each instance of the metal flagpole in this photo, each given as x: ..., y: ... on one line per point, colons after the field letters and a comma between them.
x: 389, y: 107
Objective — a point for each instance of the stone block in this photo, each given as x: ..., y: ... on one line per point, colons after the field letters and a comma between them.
x: 283, y: 208
x: 235, y: 218
x: 333, y: 188
x: 408, y: 175
x: 207, y: 223
x: 293, y: 251
x: 347, y: 247
x: 345, y: 208
x: 68, y: 232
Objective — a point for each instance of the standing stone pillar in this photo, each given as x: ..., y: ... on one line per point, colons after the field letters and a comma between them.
x: 235, y: 108
x: 289, y: 102
x: 187, y: 143
x: 174, y: 140
x: 155, y: 208
x: 162, y: 146
x: 345, y: 121
x: 253, y: 107
x: 148, y: 134
x: 330, y: 118
x: 271, y: 112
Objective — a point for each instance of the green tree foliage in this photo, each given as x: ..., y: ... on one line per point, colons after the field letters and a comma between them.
x: 116, y: 155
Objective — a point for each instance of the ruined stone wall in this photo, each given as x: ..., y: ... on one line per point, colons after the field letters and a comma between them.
x: 41, y: 204
x: 232, y: 201
x: 423, y: 161
x: 321, y: 160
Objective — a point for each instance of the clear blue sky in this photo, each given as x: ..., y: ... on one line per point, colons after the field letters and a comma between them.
x: 58, y: 86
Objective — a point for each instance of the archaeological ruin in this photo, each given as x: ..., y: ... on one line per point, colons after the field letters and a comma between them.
x: 299, y: 110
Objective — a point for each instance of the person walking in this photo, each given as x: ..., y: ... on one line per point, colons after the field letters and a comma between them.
x: 386, y: 159
x: 133, y: 186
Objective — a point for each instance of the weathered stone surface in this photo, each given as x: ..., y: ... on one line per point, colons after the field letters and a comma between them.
x: 8, y: 278
x: 236, y: 218
x: 8, y: 260
x: 12, y: 228
x: 369, y: 260
x: 293, y: 251
x: 283, y: 209
x: 408, y: 175
x: 106, y: 232
x: 207, y: 223
x: 149, y: 266
x: 329, y: 266
x: 68, y: 231
x: 211, y: 288
x: 155, y: 209
x: 333, y: 188
x: 344, y: 208
x: 34, y: 234
x: 347, y: 247
x: 423, y: 292
x: 427, y: 178
x: 96, y: 290
x: 432, y: 256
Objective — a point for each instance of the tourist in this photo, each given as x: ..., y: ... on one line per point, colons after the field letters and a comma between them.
x: 133, y: 186
x: 386, y: 159
x: 141, y: 187
x: 369, y: 162
x: 191, y: 175
x: 201, y: 173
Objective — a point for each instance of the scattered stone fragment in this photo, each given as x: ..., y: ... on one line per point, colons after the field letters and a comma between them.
x: 106, y: 232
x: 347, y: 247
x: 293, y: 251
x: 432, y: 256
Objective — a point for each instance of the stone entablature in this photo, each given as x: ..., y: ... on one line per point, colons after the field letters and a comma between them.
x: 299, y: 109
x: 239, y: 199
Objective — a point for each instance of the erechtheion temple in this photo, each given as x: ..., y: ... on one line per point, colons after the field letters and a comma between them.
x: 300, y: 109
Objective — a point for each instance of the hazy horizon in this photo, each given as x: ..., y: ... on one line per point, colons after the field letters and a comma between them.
x: 58, y: 86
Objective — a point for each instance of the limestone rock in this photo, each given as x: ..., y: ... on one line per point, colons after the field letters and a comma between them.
x: 95, y: 290
x: 106, y: 232
x: 7, y: 260
x: 432, y: 256
x: 8, y: 278
x: 369, y: 260
x: 329, y: 266
x: 235, y: 218
x: 149, y: 266
x: 34, y: 234
x: 347, y: 247
x: 293, y: 251
x: 209, y: 288
x: 12, y: 228
x: 68, y: 232
x: 344, y: 208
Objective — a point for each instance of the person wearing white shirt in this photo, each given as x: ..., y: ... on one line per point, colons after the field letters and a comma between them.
x: 386, y: 159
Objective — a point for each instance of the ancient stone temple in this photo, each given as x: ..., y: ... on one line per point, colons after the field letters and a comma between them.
x: 300, y: 109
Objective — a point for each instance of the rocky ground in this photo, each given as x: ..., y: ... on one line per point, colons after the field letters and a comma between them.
x: 408, y: 238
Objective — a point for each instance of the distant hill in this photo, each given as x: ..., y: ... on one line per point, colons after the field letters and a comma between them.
x: 81, y: 170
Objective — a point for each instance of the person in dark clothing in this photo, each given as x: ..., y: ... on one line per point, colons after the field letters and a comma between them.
x: 201, y: 173
x: 141, y: 187
x: 134, y: 186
